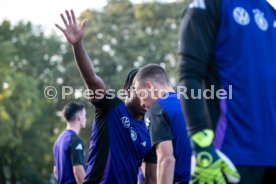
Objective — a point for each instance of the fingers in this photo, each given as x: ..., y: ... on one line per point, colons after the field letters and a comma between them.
x: 68, y: 17
x: 230, y: 173
x: 73, y: 17
x: 64, y: 20
x: 60, y: 28
x: 229, y: 168
x: 226, y: 160
x: 84, y: 24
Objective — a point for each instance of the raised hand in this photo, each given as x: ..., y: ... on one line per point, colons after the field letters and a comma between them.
x: 72, y: 31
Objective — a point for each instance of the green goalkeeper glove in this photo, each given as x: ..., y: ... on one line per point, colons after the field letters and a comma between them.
x: 210, y: 166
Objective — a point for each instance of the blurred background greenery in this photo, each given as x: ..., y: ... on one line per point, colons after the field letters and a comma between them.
x: 119, y: 37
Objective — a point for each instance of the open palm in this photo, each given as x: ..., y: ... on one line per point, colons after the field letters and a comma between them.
x: 72, y: 31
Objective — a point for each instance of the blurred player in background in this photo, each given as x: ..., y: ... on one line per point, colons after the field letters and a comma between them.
x: 69, y: 149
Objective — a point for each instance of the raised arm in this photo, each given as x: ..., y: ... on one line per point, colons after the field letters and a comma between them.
x: 74, y: 35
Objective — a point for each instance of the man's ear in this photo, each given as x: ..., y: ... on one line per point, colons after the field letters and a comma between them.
x: 149, y: 84
x: 128, y: 93
x: 78, y: 116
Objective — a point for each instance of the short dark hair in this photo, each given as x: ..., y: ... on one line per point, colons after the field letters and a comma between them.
x: 154, y: 72
x: 129, y: 78
x: 70, y: 110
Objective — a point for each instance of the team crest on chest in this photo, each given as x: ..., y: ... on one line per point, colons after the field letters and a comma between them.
x: 126, y: 123
x: 133, y: 134
x: 260, y: 19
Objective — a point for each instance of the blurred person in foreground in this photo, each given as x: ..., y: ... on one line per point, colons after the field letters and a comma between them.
x: 229, y: 46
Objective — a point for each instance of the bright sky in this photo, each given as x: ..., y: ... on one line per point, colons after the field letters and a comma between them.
x: 46, y: 12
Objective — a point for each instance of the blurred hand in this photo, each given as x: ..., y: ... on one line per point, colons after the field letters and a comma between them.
x: 72, y: 31
x: 210, y: 166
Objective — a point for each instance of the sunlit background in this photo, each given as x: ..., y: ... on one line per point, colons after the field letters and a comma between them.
x: 45, y: 12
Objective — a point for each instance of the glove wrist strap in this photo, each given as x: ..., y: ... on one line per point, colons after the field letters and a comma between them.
x: 203, y: 138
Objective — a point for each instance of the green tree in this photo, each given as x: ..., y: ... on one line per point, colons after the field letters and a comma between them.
x: 23, y: 107
x: 126, y: 35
